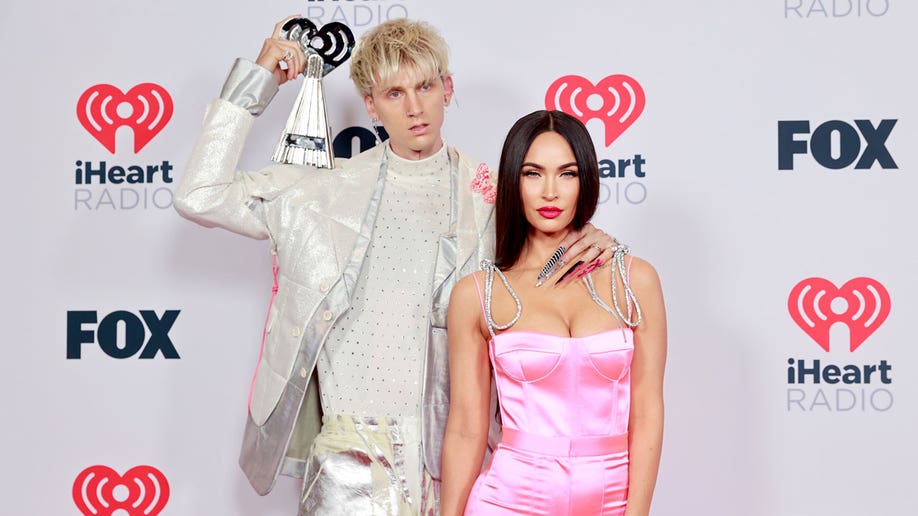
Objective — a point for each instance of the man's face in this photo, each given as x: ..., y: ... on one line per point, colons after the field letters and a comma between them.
x: 411, y: 108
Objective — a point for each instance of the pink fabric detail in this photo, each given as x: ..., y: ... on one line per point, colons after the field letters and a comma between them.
x: 482, y: 184
x: 264, y: 332
x: 565, y: 446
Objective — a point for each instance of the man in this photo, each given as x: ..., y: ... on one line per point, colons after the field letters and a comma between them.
x: 366, y: 258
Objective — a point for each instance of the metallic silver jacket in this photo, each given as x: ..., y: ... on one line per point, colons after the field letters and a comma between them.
x: 320, y: 224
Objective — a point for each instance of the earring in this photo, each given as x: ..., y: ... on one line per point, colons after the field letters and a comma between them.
x: 375, y: 123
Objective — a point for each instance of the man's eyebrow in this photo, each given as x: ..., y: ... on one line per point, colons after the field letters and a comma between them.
x: 425, y: 81
x: 418, y: 84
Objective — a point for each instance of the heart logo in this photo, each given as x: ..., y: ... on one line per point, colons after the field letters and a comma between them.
x: 618, y: 100
x: 100, y: 491
x: 862, y: 304
x: 145, y: 108
x: 334, y: 41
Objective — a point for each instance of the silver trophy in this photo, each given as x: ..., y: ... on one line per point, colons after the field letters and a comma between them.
x: 306, y: 139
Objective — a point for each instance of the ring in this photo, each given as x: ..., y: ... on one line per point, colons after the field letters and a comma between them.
x: 288, y: 55
x: 597, y: 247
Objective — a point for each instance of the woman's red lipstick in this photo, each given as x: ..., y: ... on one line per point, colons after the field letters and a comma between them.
x: 549, y: 212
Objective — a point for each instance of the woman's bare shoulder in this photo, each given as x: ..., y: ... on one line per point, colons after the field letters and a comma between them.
x: 467, y: 290
x: 641, y: 274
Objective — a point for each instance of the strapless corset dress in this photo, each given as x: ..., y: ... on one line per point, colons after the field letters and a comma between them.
x: 564, y: 404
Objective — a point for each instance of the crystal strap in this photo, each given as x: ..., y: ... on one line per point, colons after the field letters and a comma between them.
x: 632, y: 317
x: 619, y: 251
x: 489, y: 269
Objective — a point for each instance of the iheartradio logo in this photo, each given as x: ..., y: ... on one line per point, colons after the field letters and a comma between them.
x: 862, y: 304
x: 101, y: 491
x: 617, y: 100
x: 145, y: 108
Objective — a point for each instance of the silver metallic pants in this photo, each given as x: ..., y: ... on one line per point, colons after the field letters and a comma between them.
x: 369, y: 466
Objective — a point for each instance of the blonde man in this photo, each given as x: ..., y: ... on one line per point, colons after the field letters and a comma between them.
x: 351, y: 389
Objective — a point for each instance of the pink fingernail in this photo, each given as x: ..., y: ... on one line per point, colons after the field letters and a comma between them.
x: 587, y: 270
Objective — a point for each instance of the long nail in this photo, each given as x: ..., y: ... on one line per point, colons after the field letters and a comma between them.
x: 553, y: 264
x: 573, y: 269
x: 589, y: 268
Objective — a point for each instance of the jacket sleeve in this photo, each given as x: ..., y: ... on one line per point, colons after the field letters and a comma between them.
x: 211, y: 192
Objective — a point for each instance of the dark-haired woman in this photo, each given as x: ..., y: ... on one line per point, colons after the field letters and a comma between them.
x: 578, y: 366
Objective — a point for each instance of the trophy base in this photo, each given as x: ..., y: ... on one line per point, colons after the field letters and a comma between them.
x: 298, y: 149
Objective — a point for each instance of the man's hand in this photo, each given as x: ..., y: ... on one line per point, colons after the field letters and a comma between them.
x: 275, y: 51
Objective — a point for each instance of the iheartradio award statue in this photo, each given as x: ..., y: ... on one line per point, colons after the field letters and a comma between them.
x: 306, y: 139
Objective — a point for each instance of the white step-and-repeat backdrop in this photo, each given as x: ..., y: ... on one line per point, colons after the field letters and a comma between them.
x: 760, y: 153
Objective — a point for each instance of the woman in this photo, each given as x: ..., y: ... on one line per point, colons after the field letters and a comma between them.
x: 578, y: 366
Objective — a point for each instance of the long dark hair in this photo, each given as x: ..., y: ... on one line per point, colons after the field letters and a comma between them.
x: 512, y: 226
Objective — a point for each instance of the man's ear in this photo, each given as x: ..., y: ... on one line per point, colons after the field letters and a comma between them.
x: 447, y: 89
x: 371, y: 107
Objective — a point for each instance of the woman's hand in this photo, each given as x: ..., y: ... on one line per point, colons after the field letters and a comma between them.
x: 275, y: 51
x: 585, y: 250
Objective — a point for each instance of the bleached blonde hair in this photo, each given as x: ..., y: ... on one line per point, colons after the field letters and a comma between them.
x: 396, y: 44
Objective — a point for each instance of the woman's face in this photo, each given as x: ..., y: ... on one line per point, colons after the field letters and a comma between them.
x: 549, y: 184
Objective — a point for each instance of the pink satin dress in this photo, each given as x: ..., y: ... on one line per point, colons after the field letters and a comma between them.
x: 564, y: 404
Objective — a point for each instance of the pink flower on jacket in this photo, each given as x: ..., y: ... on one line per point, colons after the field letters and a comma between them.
x: 482, y: 184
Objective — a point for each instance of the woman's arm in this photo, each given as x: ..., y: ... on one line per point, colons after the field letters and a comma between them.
x: 646, y: 421
x: 469, y: 398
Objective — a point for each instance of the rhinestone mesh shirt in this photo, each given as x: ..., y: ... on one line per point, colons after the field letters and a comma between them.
x: 371, y: 362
